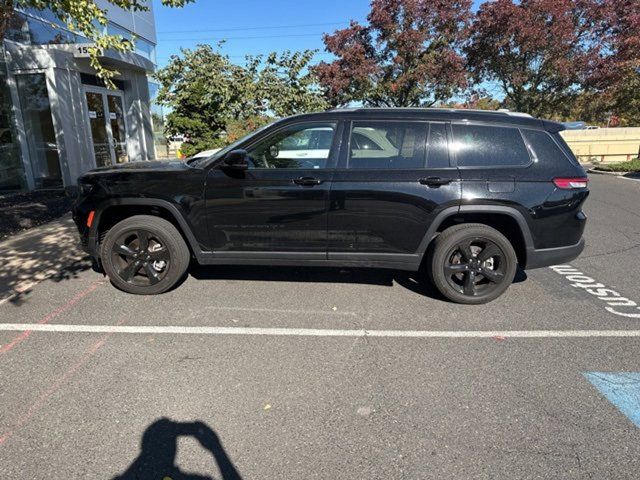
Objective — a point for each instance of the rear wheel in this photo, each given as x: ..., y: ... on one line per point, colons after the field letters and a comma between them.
x: 144, y: 255
x: 473, y: 263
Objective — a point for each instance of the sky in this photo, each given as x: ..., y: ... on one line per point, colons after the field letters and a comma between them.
x: 253, y: 26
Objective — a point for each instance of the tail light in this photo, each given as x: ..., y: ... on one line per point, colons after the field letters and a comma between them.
x: 570, y: 183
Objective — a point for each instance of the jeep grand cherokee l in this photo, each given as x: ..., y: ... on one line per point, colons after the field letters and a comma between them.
x: 465, y: 196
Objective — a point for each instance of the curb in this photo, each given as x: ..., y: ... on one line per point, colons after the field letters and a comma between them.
x: 602, y: 172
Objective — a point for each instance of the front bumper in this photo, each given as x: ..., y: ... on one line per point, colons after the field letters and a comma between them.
x: 545, y: 257
x: 87, y: 235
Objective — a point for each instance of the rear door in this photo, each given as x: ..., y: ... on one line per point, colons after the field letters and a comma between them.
x: 393, y: 178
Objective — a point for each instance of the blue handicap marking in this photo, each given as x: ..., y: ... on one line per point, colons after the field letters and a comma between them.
x: 622, y: 389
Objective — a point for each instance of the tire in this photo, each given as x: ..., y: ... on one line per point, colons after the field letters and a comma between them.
x: 472, y: 263
x: 144, y: 271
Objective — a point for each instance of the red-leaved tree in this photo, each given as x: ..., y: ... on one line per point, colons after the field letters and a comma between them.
x: 407, y: 55
x: 614, y: 83
x: 618, y: 28
x: 540, y: 53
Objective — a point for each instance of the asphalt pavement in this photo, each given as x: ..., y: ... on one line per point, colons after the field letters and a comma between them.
x: 253, y: 372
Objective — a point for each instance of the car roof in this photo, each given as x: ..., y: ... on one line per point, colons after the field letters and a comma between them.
x: 436, y: 114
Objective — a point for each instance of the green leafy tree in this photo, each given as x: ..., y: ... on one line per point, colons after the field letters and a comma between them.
x: 213, y: 101
x: 619, y: 100
x: 85, y: 18
x: 287, y: 85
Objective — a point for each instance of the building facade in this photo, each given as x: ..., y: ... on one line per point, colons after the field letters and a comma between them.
x: 57, y: 119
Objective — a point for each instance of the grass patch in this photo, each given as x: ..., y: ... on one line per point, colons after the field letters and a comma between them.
x: 630, y: 166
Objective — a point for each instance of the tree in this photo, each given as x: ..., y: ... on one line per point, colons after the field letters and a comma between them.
x: 407, y: 55
x: 620, y: 99
x: 85, y: 18
x: 614, y: 82
x: 539, y: 52
x: 288, y: 86
x: 214, y: 101
x: 477, y: 100
x: 618, y: 28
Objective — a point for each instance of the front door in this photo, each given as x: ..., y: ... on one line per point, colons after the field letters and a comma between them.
x: 108, y: 130
x: 279, y: 205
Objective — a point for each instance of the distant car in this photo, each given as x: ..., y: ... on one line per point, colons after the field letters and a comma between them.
x: 206, y: 153
x: 574, y: 125
x: 465, y: 197
x: 591, y: 127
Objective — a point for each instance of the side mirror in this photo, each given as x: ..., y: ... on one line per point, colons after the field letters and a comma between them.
x: 236, y: 160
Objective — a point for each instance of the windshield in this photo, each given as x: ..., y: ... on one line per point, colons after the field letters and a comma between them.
x: 199, y: 161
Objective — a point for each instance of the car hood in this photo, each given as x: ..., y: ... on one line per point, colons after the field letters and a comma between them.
x: 157, y: 165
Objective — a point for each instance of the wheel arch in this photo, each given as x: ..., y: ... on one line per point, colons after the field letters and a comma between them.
x: 113, y: 211
x: 507, y: 220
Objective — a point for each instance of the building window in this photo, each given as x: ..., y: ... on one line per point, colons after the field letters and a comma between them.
x: 141, y: 47
x: 146, y: 49
x: 39, y: 130
x: 40, y: 27
x: 11, y: 169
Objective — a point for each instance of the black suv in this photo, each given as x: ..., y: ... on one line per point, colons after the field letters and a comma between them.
x: 464, y: 196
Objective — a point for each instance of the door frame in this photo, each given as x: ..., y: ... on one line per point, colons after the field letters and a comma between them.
x: 104, y: 92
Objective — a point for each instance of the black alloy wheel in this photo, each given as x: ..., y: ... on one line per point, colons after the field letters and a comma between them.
x: 140, y: 257
x: 472, y: 263
x: 145, y: 255
x: 475, y: 267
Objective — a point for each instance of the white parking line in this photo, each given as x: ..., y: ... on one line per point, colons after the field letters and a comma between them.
x: 310, y: 332
x: 282, y: 310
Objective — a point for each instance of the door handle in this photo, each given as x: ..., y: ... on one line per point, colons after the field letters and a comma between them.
x: 308, y: 181
x: 435, y: 181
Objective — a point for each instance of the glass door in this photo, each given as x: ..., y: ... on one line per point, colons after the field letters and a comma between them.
x: 108, y: 130
x: 118, y: 131
x: 98, y: 124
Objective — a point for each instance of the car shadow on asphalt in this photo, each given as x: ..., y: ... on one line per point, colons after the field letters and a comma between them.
x: 413, y: 281
x: 158, y: 450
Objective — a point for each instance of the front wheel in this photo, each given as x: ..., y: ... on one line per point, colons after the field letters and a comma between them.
x: 473, y: 263
x: 144, y: 255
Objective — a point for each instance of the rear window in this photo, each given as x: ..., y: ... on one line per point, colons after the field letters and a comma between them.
x: 544, y: 147
x: 487, y: 146
x: 565, y: 148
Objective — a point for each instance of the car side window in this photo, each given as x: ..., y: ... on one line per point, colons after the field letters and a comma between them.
x: 488, y: 146
x: 303, y: 146
x: 387, y: 145
x: 543, y: 147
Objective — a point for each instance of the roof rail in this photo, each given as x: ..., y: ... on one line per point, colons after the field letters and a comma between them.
x: 502, y: 111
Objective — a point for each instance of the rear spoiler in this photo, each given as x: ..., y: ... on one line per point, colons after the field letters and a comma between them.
x: 553, y: 127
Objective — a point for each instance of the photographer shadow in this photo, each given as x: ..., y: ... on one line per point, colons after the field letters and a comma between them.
x: 159, y: 447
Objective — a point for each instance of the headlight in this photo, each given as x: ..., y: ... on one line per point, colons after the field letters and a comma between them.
x: 85, y: 188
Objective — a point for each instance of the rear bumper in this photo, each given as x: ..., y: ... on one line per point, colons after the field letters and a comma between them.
x: 553, y: 256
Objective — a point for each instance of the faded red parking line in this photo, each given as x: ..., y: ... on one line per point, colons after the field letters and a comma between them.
x: 42, y: 399
x: 47, y: 318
